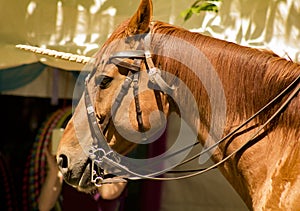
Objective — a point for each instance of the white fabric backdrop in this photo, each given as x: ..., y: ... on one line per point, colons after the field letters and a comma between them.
x: 81, y: 26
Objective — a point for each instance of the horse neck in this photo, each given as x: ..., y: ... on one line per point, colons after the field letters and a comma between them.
x: 250, y: 79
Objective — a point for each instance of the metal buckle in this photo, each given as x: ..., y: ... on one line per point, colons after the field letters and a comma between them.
x: 96, y: 179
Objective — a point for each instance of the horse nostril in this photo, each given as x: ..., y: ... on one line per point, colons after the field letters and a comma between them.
x: 63, y: 161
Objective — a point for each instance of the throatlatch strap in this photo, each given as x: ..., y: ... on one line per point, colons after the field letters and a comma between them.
x: 154, y: 72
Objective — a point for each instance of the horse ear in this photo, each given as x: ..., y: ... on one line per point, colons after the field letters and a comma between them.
x: 139, y: 23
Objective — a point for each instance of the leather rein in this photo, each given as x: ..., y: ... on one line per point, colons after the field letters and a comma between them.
x: 103, y: 157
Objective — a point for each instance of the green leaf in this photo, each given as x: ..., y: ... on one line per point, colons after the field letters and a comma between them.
x: 188, y: 15
x: 198, y: 6
x: 195, y: 3
x: 208, y: 7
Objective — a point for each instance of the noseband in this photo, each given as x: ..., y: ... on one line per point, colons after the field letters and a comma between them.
x: 103, y: 157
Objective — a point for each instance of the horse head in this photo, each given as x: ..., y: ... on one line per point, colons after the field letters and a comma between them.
x: 120, y: 104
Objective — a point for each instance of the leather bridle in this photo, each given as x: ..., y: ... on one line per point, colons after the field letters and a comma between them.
x: 102, y: 152
x: 103, y: 157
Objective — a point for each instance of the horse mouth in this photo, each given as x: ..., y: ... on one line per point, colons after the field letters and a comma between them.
x: 81, y: 178
x: 85, y: 183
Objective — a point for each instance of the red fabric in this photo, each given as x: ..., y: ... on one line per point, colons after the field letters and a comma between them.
x: 152, y: 190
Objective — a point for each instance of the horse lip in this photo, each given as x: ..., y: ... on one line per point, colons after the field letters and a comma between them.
x: 69, y: 179
x: 85, y: 178
x: 81, y: 182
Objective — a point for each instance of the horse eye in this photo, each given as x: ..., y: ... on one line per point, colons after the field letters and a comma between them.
x: 104, y: 81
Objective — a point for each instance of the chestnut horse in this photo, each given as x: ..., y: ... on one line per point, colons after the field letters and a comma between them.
x: 228, y: 83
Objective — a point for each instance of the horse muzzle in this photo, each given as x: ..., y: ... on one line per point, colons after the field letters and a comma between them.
x: 79, y: 176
